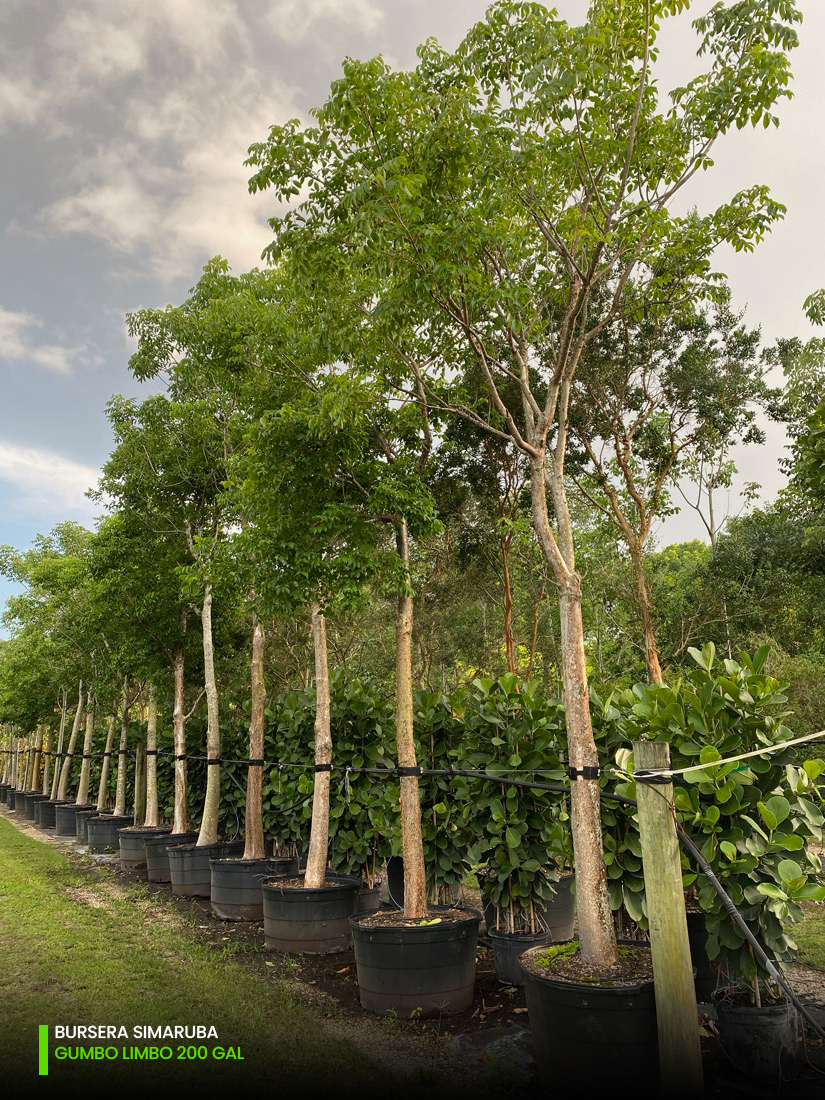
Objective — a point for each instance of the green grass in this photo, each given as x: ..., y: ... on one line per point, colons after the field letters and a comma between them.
x: 75, y: 950
x: 810, y: 937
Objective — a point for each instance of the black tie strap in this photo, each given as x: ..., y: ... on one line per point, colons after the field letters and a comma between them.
x: 405, y: 773
x: 584, y: 773
x: 256, y: 763
x: 323, y: 767
x: 214, y: 760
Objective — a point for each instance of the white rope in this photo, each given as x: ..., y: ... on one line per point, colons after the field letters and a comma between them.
x: 730, y: 759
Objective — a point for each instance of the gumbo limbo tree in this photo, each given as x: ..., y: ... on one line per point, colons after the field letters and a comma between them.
x: 503, y: 198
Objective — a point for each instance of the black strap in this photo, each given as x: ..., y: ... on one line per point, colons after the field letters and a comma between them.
x: 404, y: 773
x: 87, y: 755
x: 588, y: 772
x: 652, y: 778
x: 181, y: 757
x: 122, y: 752
x: 214, y: 760
x: 109, y: 753
x: 323, y: 767
x: 256, y: 763
x: 151, y: 752
x: 69, y: 755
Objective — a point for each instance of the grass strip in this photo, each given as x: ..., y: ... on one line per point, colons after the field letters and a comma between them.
x: 76, y: 950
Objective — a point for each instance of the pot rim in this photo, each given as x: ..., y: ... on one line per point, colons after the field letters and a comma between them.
x: 559, y: 982
x: 415, y: 929
x: 275, y: 885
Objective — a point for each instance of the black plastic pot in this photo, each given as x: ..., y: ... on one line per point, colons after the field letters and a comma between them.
x: 369, y: 899
x: 157, y: 856
x: 705, y: 976
x: 32, y: 803
x: 103, y: 832
x: 508, y: 947
x: 236, y: 885
x: 424, y: 969
x: 190, y: 873
x: 131, y: 842
x: 64, y: 815
x: 81, y: 824
x: 4, y: 790
x: 762, y: 1042
x: 44, y: 813
x: 558, y: 915
x: 309, y: 921
x: 582, y: 1033
x: 11, y: 798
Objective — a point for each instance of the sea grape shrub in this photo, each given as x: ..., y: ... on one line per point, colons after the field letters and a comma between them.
x: 363, y: 737
x: 446, y: 831
x: 754, y: 820
x: 520, y: 834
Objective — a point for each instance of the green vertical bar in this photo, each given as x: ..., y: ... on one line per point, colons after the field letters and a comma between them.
x: 44, y: 1050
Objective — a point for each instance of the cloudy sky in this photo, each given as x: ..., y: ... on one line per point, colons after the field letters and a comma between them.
x: 123, y: 131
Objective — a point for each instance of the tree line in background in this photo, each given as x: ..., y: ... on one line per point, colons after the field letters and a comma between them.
x: 433, y: 440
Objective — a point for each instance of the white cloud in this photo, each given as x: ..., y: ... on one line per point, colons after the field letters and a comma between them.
x: 17, y: 345
x: 294, y: 20
x: 44, y: 483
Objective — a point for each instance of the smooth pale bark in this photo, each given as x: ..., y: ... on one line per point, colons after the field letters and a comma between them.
x: 67, y: 763
x: 38, y: 757
x: 316, y: 872
x: 86, y: 765
x: 645, y: 607
x: 103, y: 785
x: 139, y: 805
x: 64, y: 706
x: 211, y: 804
x: 123, y: 747
x: 254, y: 843
x: 509, y: 635
x: 47, y: 760
x: 412, y: 845
x: 181, y: 819
x: 151, y: 817
x: 596, y: 933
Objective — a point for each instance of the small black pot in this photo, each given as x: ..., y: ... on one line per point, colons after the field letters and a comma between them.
x: 705, y: 978
x: 762, y: 1042
x: 583, y: 1032
x: 4, y: 791
x: 369, y: 899
x: 131, y: 842
x: 558, y: 915
x: 11, y: 798
x: 44, y: 813
x: 309, y: 921
x: 236, y: 885
x: 81, y: 824
x: 423, y: 969
x: 64, y: 815
x: 157, y: 854
x: 506, y: 950
x: 103, y: 831
x: 190, y: 873
x: 32, y: 798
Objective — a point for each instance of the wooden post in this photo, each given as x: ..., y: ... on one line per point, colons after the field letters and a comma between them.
x: 680, y: 1053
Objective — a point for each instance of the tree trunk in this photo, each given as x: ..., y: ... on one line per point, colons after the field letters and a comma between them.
x: 139, y: 805
x: 254, y: 843
x: 38, y: 757
x: 123, y: 748
x: 85, y: 767
x: 645, y: 606
x: 64, y: 706
x: 412, y: 845
x: 509, y: 638
x: 596, y: 934
x: 67, y: 763
x: 151, y: 818
x: 211, y: 803
x: 106, y: 767
x: 47, y: 760
x: 181, y: 821
x: 316, y: 872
